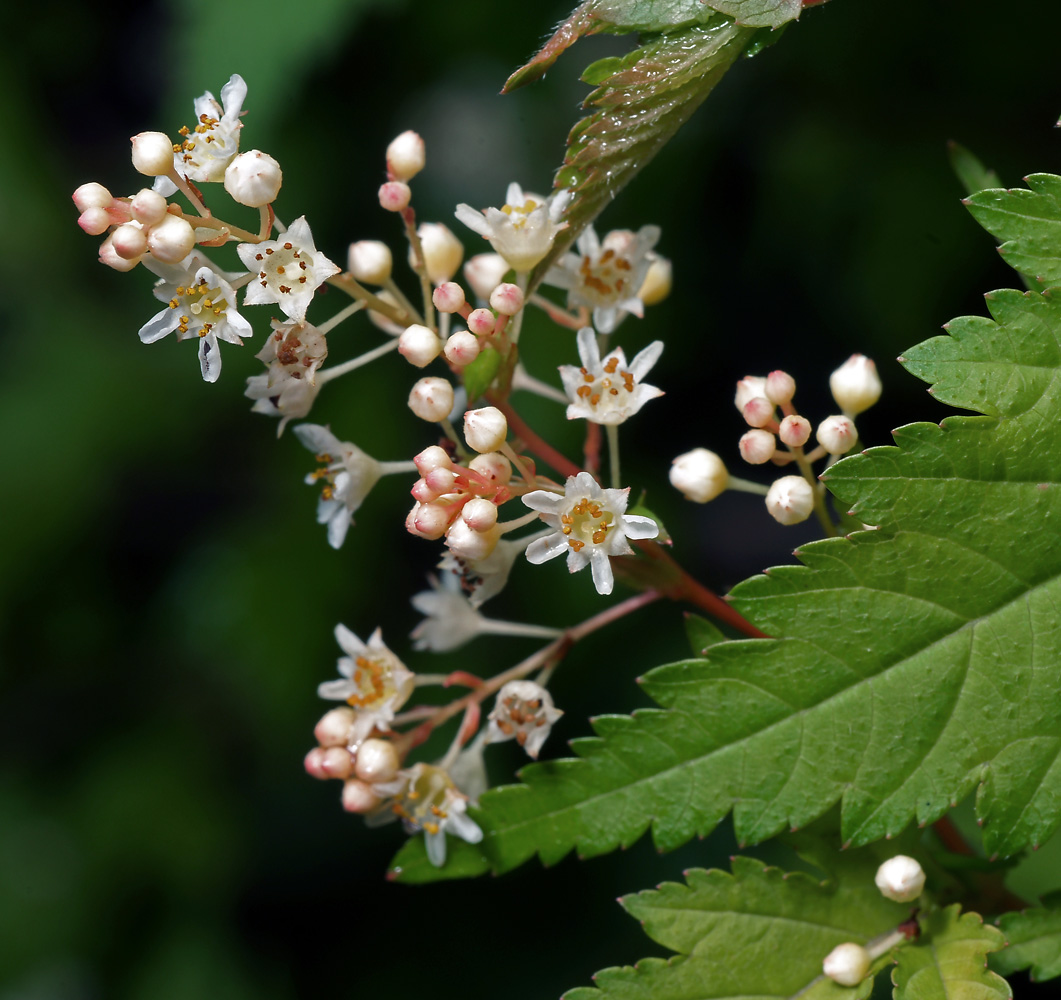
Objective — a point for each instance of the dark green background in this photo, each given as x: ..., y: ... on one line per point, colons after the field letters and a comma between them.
x: 167, y: 600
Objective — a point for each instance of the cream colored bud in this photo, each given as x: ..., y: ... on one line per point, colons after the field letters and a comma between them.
x: 484, y: 272
x: 406, y: 156
x: 253, y: 178
x: 385, y: 323
x: 479, y: 514
x: 369, y: 261
x: 377, y: 760
x: 700, y: 475
x: 443, y: 252
x: 431, y: 399
x: 336, y: 762
x: 837, y: 435
x: 485, y: 429
x: 658, y: 281
x: 171, y: 240
x: 790, y: 500
x: 432, y: 457
x: 493, y: 467
x: 152, y: 153
x: 109, y: 256
x: 394, y: 196
x: 780, y: 388
x: 747, y: 389
x: 855, y: 385
x: 461, y: 349
x: 901, y: 878
x: 428, y: 520
x: 757, y: 447
x: 467, y: 543
x: 94, y: 221
x: 506, y: 299
x: 419, y: 345
x: 148, y: 207
x: 358, y: 797
x: 794, y: 431
x: 92, y: 195
x: 847, y: 964
x: 129, y: 241
x: 335, y: 727
x: 758, y: 411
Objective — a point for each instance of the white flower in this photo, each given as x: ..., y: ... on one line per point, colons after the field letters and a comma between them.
x: 375, y: 683
x: 348, y: 474
x: 292, y: 354
x: 607, y: 276
x: 524, y: 711
x: 590, y: 526
x: 201, y: 304
x: 607, y: 392
x: 486, y: 578
x: 288, y: 270
x: 523, y: 229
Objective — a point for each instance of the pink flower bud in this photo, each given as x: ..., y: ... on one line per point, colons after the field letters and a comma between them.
x: 790, y: 500
x: 152, y: 153
x: 369, y: 261
x: 758, y: 411
x: 108, y: 256
x: 506, y: 299
x: 253, y: 178
x: 484, y: 272
x: 448, y: 297
x: 359, y: 797
x: 492, y: 466
x: 479, y: 514
x: 171, y: 240
x: 335, y: 727
x: 429, y: 520
x: 855, y: 385
x: 485, y: 429
x: 461, y: 349
x: 441, y: 481
x: 467, y: 543
x: 757, y: 447
x: 794, y: 431
x: 432, y: 457
x: 431, y: 399
x: 699, y: 475
x: 406, y: 156
x: 314, y: 763
x: 129, y: 241
x: 748, y: 388
x: 394, y: 196
x: 780, y: 388
x: 837, y: 434
x: 481, y: 321
x: 336, y: 762
x: 148, y: 207
x: 419, y: 345
x: 377, y: 760
x: 95, y: 221
x: 92, y: 195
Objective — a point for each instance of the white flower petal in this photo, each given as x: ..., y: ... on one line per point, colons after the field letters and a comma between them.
x: 601, y: 567
x: 636, y: 526
x: 548, y: 548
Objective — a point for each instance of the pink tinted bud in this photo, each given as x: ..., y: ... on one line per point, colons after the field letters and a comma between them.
x: 314, y: 763
x: 484, y: 272
x: 253, y: 178
x: 422, y: 493
x: 419, y: 345
x: 152, y: 153
x: 461, y: 349
x: 479, y: 514
x: 506, y: 299
x: 485, y: 429
x: 336, y: 762
x: 492, y: 466
x: 94, y: 221
x: 431, y: 399
x: 335, y: 727
x: 780, y: 388
x: 92, y: 195
x: 108, y: 256
x: 837, y: 434
x: 441, y: 481
x: 406, y: 156
x: 481, y: 321
x: 795, y: 431
x: 432, y: 457
x: 129, y: 241
x: 790, y: 500
x: 394, y: 196
x: 171, y: 240
x: 429, y: 520
x: 359, y: 797
x: 758, y: 411
x: 467, y: 543
x: 448, y: 297
x: 443, y: 252
x: 748, y: 388
x: 757, y: 447
x: 369, y: 261
x: 148, y: 207
x: 377, y: 760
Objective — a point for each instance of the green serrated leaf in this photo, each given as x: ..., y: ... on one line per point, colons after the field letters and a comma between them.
x: 1034, y: 941
x: 1028, y: 222
x: 411, y: 865
x: 481, y: 372
x: 972, y: 174
x: 701, y: 633
x: 951, y: 962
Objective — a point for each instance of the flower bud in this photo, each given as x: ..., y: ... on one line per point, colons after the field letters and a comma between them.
x: 443, y: 252
x: 855, y: 385
x: 448, y: 297
x: 377, y: 760
x: 432, y: 457
x: 699, y: 475
x: 790, y: 500
x: 485, y: 429
x: 780, y: 388
x: 484, y: 272
x: 431, y: 399
x: 171, y: 240
x: 439, y: 481
x: 479, y: 514
x: 359, y: 797
x: 406, y: 156
x: 481, y: 321
x: 758, y: 411
x: 506, y: 299
x: 901, y: 878
x: 757, y: 447
x: 92, y: 195
x: 429, y: 520
x: 129, y: 241
x: 253, y: 178
x: 794, y: 431
x: 369, y: 261
x: 148, y: 207
x: 314, y: 763
x: 335, y: 762
x: 385, y: 323
x: 837, y: 435
x: 847, y: 964
x: 748, y: 388
x: 95, y: 221
x: 658, y: 281
x: 152, y: 153
x: 461, y: 349
x: 335, y: 727
x: 109, y: 256
x: 394, y: 196
x: 468, y: 544
x: 419, y: 345
x: 493, y: 467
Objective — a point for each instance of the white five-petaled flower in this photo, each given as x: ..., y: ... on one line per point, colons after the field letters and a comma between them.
x: 287, y: 270
x: 292, y: 354
x: 200, y: 303
x: 608, y: 391
x: 591, y: 525
x: 375, y: 683
x: 523, y: 229
x: 607, y: 275
x: 524, y: 711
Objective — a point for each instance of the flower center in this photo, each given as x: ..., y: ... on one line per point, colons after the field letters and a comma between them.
x: 202, y: 307
x: 605, y: 281
x: 374, y: 679
x: 519, y: 214
x: 608, y: 388
x: 586, y: 523
x: 421, y: 804
x: 204, y: 143
x: 283, y: 268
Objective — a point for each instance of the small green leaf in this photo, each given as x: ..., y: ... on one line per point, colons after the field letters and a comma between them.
x: 1034, y: 938
x: 481, y: 372
x: 411, y: 865
x: 701, y: 633
x: 759, y: 13
x: 974, y: 176
x: 949, y: 962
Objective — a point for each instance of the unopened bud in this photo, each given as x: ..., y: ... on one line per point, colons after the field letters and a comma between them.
x: 431, y: 399
x: 837, y: 435
x: 794, y: 431
x: 780, y: 388
x: 485, y: 429
x: 481, y: 321
x: 94, y: 221
x: 359, y: 797
x: 377, y: 760
x: 92, y: 195
x: 847, y: 964
x: 468, y: 544
x: 394, y: 196
x: 479, y: 514
x: 700, y: 475
x: 757, y: 447
x: 152, y: 153
x: 129, y: 241
x: 901, y: 878
x: 171, y: 240
x: 335, y: 727
x: 855, y: 385
x: 461, y: 349
x: 429, y: 520
x: 406, y: 156
x: 432, y: 457
x: 506, y: 299
x: 790, y: 500
x: 148, y: 207
x: 253, y: 178
x: 385, y: 323
x: 448, y: 297
x: 109, y: 256
x: 758, y: 411
x: 658, y: 281
x: 369, y: 261
x: 419, y: 345
x: 493, y: 467
x: 484, y: 272
x: 443, y: 252
x: 748, y: 388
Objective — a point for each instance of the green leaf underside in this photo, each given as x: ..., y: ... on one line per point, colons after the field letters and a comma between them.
x: 950, y: 962
x: 1034, y: 938
x: 1028, y: 222
x: 756, y: 933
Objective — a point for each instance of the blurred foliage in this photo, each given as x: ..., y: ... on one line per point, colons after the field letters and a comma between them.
x: 167, y: 600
